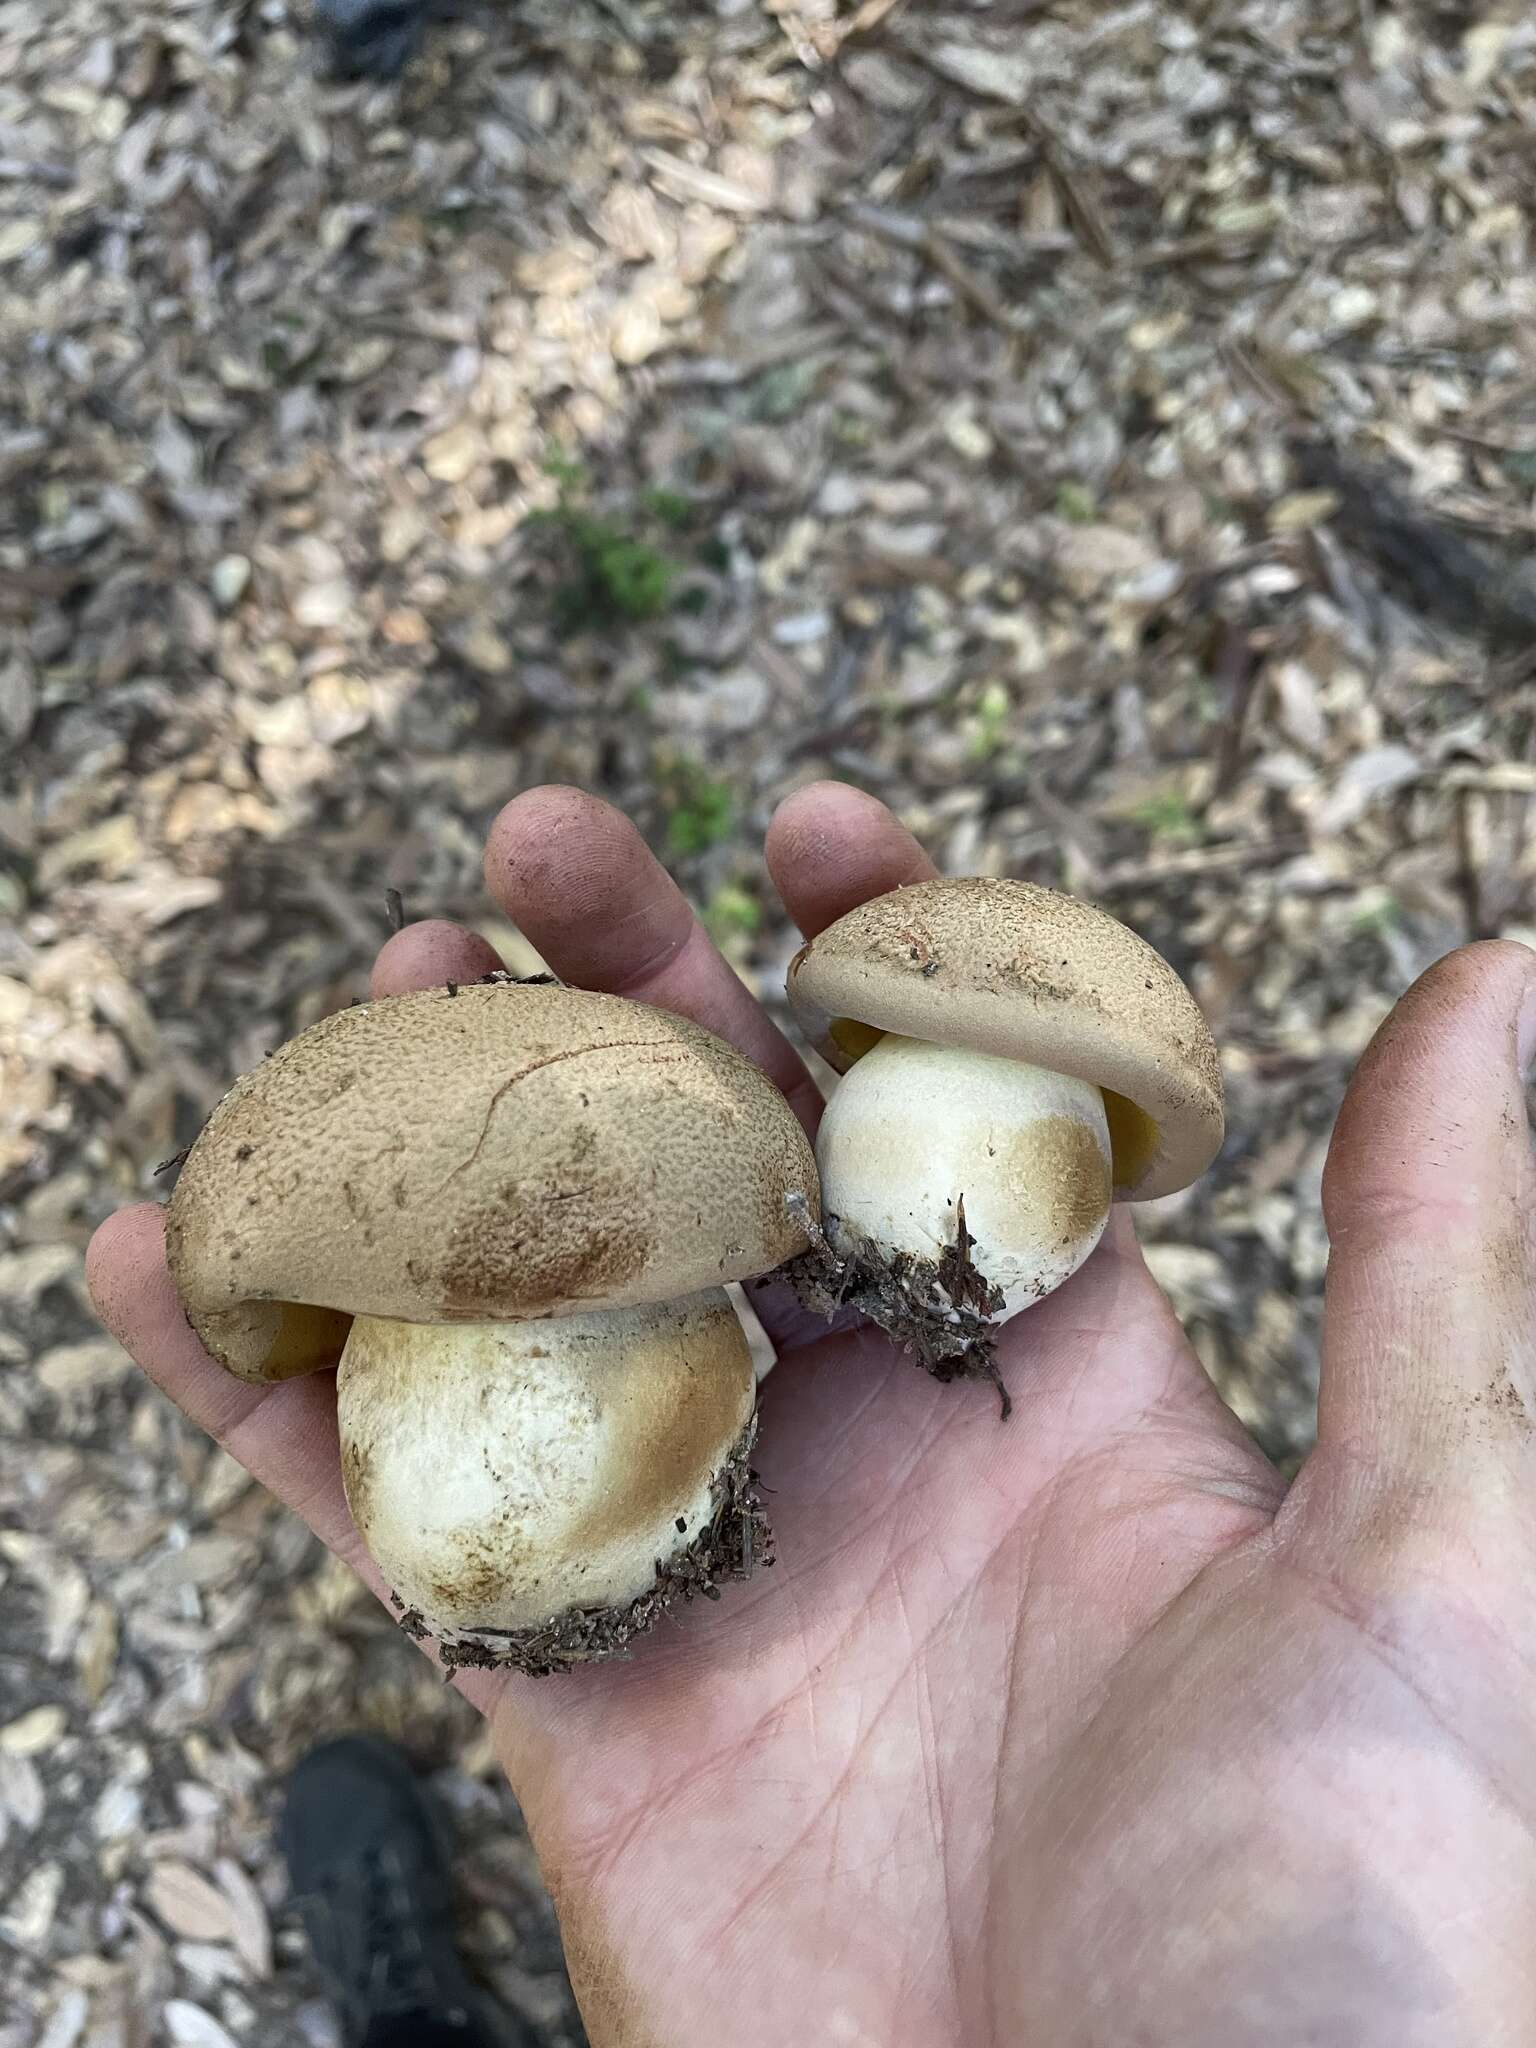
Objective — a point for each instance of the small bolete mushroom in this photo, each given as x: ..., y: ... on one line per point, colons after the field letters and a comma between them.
x: 1012, y: 1060
x: 510, y: 1212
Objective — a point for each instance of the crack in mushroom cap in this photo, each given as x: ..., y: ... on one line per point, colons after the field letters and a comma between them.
x: 1011, y: 968
x: 493, y: 1153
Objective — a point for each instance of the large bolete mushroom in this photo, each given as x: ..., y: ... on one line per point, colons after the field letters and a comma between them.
x: 510, y: 1212
x: 1012, y: 1060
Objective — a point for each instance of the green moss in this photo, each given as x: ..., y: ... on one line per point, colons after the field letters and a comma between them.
x: 700, y: 809
x: 1075, y: 502
x: 614, y: 567
x: 732, y: 913
x: 1170, y: 817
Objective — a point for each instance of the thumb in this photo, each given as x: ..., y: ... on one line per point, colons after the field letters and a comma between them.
x: 1429, y: 1357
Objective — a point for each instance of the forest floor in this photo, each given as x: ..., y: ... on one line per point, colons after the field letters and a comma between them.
x: 1108, y: 433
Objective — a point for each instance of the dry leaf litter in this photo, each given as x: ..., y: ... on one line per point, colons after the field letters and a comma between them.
x: 1107, y: 433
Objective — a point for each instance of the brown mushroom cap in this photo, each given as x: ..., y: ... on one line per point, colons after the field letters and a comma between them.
x: 1011, y: 968
x: 492, y: 1154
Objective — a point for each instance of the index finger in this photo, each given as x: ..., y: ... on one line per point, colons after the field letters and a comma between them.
x: 832, y: 847
x: 575, y: 875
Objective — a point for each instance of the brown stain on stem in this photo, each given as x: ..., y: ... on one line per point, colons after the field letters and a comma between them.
x: 1059, y: 1160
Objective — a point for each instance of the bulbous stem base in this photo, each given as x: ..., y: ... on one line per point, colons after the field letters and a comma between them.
x: 537, y: 1492
x: 733, y: 1544
x: 950, y: 1334
x: 959, y: 1188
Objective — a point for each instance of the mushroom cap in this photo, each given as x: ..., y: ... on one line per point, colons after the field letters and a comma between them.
x: 491, y: 1154
x: 502, y: 1474
x: 1011, y: 968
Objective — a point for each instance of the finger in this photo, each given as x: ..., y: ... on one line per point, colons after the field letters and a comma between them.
x: 126, y: 1272
x: 284, y: 1435
x: 831, y: 848
x: 1429, y: 1198
x: 429, y: 955
x: 575, y: 876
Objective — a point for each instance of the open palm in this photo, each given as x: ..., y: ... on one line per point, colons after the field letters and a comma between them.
x: 1079, y: 1729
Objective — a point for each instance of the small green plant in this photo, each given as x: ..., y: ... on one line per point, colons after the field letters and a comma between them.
x: 731, y: 913
x: 990, y: 728
x: 1169, y: 817
x: 631, y: 578
x: 671, y: 508
x: 614, y: 579
x: 1377, y: 914
x: 1075, y: 502
x: 700, y: 810
x: 615, y: 573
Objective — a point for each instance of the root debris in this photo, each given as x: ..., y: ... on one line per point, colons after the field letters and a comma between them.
x: 939, y: 1310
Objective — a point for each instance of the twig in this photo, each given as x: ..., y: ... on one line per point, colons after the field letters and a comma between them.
x: 1201, y: 860
x: 921, y: 238
x: 869, y: 16
x: 974, y: 290
x: 1237, y: 669
x: 1084, y: 214
x: 1419, y: 557
x: 394, y: 909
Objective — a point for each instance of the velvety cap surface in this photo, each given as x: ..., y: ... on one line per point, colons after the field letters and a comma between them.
x: 498, y: 1153
x: 1011, y: 968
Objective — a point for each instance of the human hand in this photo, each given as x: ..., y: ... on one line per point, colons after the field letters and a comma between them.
x: 1077, y: 1731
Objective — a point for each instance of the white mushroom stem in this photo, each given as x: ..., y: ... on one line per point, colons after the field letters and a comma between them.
x: 502, y: 1474
x: 914, y: 1128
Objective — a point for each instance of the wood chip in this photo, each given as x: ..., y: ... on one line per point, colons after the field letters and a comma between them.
x: 34, y: 1733
x: 188, y: 1903
x: 66, y: 2023
x: 690, y: 181
x: 189, y: 2026
x: 249, y: 1928
x: 21, y: 1789
x: 28, y: 1916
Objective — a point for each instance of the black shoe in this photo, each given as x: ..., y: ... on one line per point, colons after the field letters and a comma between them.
x: 370, y: 1878
x: 371, y: 38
